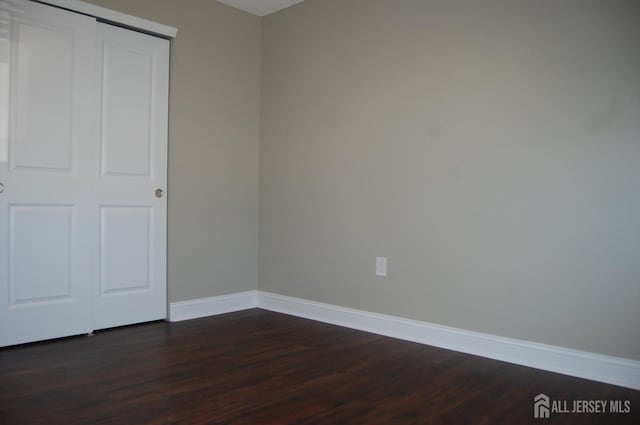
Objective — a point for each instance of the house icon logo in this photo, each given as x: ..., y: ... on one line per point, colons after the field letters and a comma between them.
x: 541, y: 404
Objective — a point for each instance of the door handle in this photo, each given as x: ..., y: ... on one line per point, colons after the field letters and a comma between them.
x: 159, y: 193
x: 1, y: 188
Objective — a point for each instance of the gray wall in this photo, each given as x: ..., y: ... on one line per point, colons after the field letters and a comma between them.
x: 213, y: 144
x: 490, y: 149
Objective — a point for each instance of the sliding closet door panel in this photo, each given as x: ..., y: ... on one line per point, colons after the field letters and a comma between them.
x: 48, y: 255
x: 133, y: 85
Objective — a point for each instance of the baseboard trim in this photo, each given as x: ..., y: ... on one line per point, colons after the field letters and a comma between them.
x: 581, y: 364
x: 204, y: 307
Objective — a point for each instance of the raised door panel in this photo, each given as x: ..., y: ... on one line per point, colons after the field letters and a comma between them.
x: 43, y: 58
x: 127, y: 110
x: 126, y: 245
x: 41, y: 249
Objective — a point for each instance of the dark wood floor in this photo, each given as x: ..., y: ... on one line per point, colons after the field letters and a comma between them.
x: 258, y: 367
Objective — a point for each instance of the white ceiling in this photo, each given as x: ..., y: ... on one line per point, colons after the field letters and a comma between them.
x: 260, y: 7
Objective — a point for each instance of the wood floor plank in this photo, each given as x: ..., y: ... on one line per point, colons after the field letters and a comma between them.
x: 259, y: 367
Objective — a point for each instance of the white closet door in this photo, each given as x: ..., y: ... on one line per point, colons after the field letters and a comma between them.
x: 133, y: 80
x: 47, y: 251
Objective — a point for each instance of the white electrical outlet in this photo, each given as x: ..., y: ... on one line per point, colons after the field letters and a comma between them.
x: 381, y: 266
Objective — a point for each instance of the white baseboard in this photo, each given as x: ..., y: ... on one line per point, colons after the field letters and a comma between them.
x: 204, y: 307
x: 596, y: 367
x: 581, y: 364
